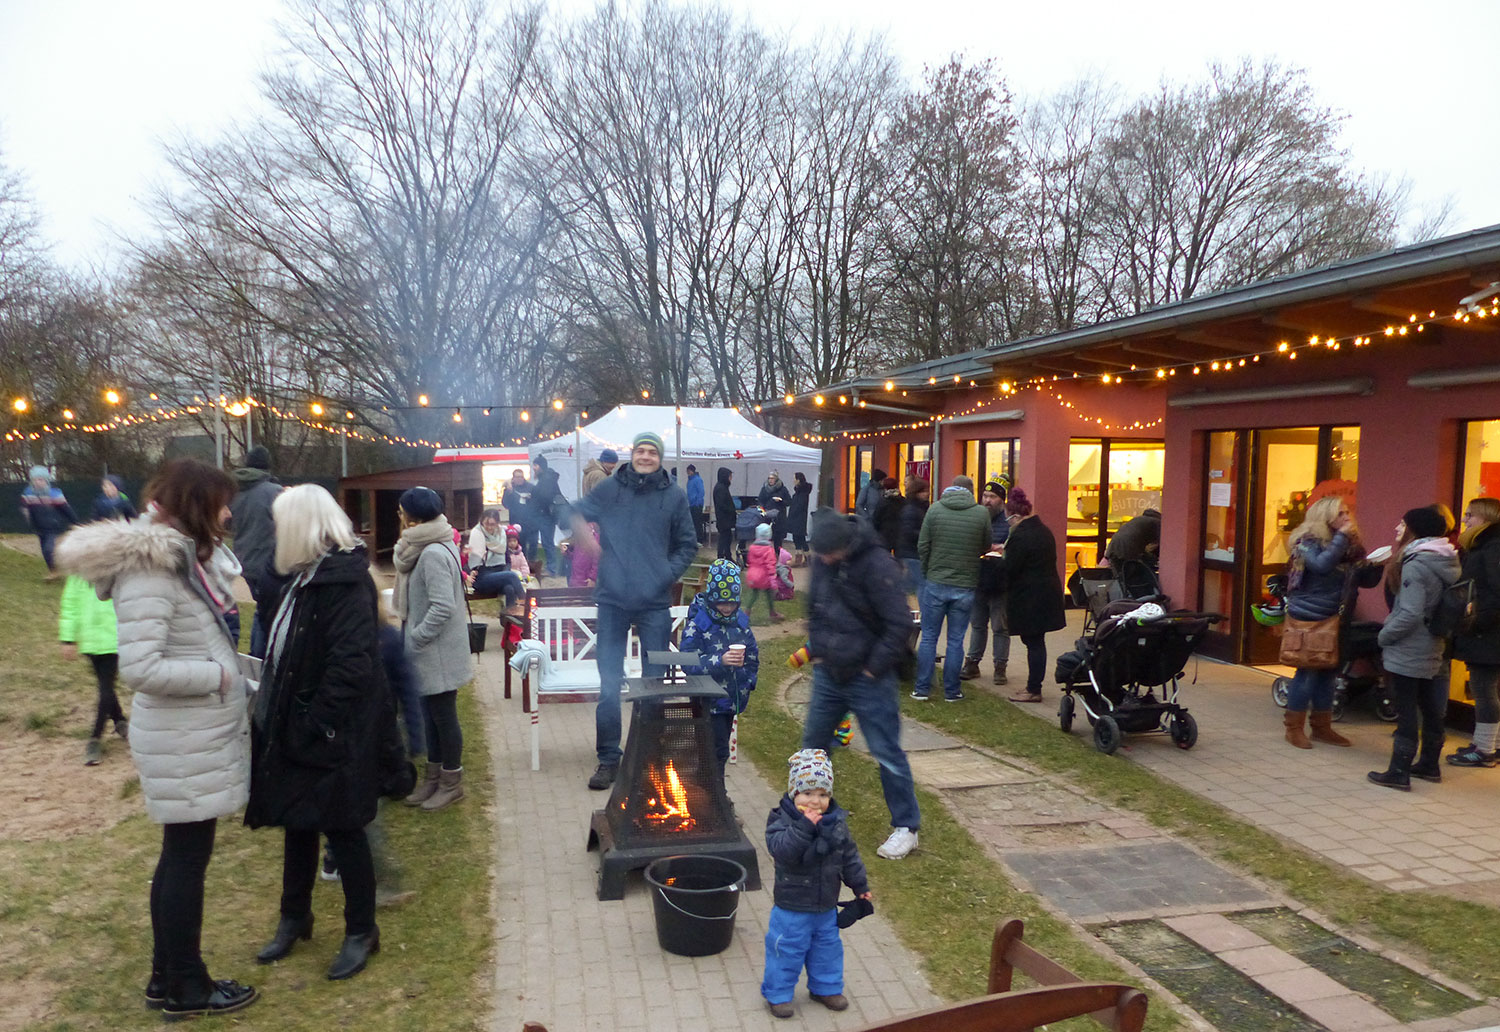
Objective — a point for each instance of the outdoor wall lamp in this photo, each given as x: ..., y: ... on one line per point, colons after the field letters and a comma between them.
x: 1362, y: 385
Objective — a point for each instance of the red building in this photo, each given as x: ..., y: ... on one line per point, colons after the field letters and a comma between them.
x: 1377, y: 377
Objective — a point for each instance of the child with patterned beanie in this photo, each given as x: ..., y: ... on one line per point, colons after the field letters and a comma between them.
x: 808, y: 838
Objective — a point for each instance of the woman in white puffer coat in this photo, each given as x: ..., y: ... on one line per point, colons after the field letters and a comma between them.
x: 170, y: 579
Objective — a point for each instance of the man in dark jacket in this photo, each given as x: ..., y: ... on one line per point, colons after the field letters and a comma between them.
x: 724, y: 512
x: 646, y: 541
x: 255, y: 540
x: 517, y: 501
x: 858, y: 631
x: 955, y: 533
x: 869, y: 494
x: 695, y: 497
x: 989, y: 595
x: 1132, y: 553
x: 546, y: 501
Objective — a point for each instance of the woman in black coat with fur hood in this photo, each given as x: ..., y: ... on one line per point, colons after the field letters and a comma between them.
x: 322, y: 722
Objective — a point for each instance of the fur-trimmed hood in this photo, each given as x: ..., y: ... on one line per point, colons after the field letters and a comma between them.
x: 101, y: 552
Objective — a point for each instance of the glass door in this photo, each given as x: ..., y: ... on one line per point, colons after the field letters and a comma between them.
x: 1219, y: 569
x: 859, y: 462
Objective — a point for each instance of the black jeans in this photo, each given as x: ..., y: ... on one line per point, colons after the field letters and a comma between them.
x: 106, y: 667
x: 445, y: 739
x: 1036, y: 661
x: 700, y: 523
x: 299, y: 870
x: 1420, y: 703
x: 177, y: 908
x: 726, y: 541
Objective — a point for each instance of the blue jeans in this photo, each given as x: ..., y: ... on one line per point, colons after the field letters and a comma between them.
x: 1311, y: 689
x: 914, y: 578
x: 943, y: 602
x: 48, y: 541
x: 873, y: 702
x: 547, y: 530
x: 796, y: 939
x: 497, y: 580
x: 654, y: 627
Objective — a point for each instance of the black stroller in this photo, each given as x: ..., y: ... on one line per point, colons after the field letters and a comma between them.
x: 1095, y: 588
x: 745, y: 522
x: 1116, y: 672
x: 1359, y: 669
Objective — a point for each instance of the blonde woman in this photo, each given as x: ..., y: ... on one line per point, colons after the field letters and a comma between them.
x: 1327, y: 562
x: 316, y: 722
x: 1479, y: 645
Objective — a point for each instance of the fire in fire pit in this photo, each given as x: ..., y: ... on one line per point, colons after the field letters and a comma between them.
x: 667, y: 798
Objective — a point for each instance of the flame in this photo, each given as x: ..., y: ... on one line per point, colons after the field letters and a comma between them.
x: 670, y: 802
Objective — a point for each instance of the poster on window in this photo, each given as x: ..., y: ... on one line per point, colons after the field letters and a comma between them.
x: 919, y: 468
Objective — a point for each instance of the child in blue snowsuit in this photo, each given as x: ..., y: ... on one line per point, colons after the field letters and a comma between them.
x: 808, y: 837
x: 714, y: 623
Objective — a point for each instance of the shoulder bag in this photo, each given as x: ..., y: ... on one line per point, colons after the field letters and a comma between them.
x: 478, y: 632
x: 1314, y: 644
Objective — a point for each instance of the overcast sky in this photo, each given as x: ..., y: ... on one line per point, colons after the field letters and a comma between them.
x: 90, y: 88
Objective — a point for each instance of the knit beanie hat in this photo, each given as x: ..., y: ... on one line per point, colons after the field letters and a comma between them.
x: 809, y: 769
x: 650, y: 437
x: 890, y: 484
x: 608, y: 455
x: 40, y: 473
x: 421, y: 503
x: 1017, y: 504
x: 1425, y: 523
x: 830, y: 532
x: 994, y: 487
x: 763, y: 534
x: 258, y: 457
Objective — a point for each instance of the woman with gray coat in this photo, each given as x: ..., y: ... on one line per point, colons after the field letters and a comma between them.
x: 429, y: 599
x: 1412, y: 654
x: 170, y: 580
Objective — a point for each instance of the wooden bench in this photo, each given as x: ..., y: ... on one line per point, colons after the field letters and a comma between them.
x: 566, y: 621
x: 1061, y: 995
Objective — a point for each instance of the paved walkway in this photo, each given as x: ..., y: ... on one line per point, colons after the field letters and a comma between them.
x: 572, y: 962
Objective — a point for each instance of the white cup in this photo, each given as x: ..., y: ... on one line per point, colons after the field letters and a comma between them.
x: 738, y: 653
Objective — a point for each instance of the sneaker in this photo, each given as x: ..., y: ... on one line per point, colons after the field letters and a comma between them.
x: 122, y: 728
x: 603, y: 776
x: 919, y: 696
x: 901, y: 842
x: 330, y: 871
x: 93, y: 752
x: 1471, y: 756
x: 955, y: 697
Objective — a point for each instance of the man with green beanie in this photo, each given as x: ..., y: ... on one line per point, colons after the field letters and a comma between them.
x: 646, y: 541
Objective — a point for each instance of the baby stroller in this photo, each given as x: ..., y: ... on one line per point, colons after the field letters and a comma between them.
x: 1115, y: 674
x: 1359, y: 669
x: 745, y: 522
x: 1094, y: 588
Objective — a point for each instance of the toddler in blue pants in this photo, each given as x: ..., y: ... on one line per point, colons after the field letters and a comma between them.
x: 808, y: 837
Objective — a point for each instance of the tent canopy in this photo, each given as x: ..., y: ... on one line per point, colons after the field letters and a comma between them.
x: 710, y: 438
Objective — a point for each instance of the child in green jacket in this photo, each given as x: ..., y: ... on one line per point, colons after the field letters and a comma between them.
x: 86, y: 624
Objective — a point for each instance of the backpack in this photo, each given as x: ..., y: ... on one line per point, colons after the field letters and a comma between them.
x: 1454, y: 613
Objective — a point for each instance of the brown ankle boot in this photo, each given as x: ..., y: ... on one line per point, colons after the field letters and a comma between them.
x: 1294, y: 719
x: 1321, y: 722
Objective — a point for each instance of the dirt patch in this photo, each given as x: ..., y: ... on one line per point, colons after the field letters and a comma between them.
x: 55, y: 796
x: 28, y: 1001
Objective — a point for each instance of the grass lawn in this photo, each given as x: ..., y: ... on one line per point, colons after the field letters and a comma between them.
x: 75, y: 936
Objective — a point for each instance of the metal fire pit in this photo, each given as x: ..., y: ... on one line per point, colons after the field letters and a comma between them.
x: 667, y: 798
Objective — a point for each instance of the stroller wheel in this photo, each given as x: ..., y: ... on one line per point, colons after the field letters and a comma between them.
x: 1107, y: 735
x: 1281, y: 690
x: 1065, y: 712
x: 1340, y: 698
x: 1184, y: 730
x: 1385, y: 708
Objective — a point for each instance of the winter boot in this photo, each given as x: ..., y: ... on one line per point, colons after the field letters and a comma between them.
x: 1321, y: 722
x: 1294, y: 719
x: 1398, y: 775
x: 450, y: 790
x: 1427, y: 767
x: 970, y: 670
x: 429, y: 785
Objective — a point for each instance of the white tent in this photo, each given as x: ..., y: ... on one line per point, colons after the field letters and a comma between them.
x: 709, y: 438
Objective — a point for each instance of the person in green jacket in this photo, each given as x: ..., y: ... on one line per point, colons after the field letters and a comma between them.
x: 955, y: 534
x: 86, y: 624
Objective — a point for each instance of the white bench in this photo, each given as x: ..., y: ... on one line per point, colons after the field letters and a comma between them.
x: 569, y: 633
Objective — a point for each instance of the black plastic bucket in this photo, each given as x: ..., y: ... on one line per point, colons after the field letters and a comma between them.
x: 695, y: 899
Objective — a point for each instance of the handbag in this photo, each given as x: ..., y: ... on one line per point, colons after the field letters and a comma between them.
x: 1311, y: 644
x: 477, y: 631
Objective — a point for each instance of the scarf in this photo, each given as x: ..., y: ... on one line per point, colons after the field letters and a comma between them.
x: 409, y: 549
x: 1471, y: 534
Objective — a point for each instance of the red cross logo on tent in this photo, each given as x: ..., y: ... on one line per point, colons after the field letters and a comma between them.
x: 570, y: 451
x: 739, y: 454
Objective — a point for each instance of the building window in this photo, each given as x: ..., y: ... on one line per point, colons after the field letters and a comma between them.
x: 1480, y: 477
x: 1109, y: 482
x: 986, y: 460
x: 913, y: 460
